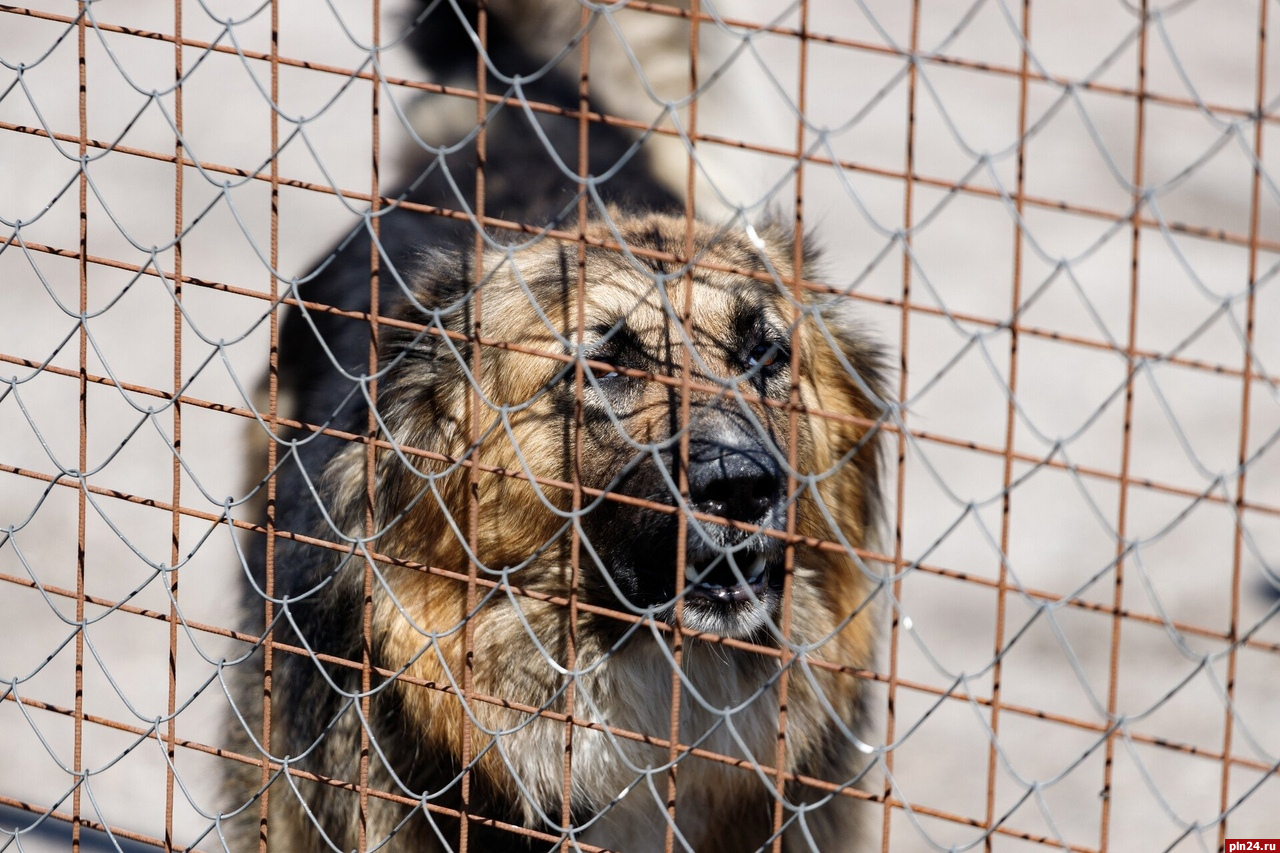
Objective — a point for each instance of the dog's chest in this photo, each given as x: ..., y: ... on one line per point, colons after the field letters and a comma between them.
x: 620, y: 784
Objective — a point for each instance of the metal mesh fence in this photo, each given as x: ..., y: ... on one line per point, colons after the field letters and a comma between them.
x: 1060, y: 220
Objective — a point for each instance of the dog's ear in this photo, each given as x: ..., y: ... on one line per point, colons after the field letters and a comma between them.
x: 421, y: 380
x: 779, y: 235
x: 436, y: 302
x: 422, y: 355
x: 848, y: 376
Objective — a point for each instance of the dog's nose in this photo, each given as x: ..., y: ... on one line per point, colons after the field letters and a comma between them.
x: 737, y: 484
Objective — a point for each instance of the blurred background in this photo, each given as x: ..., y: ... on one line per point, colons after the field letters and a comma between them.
x: 1062, y: 219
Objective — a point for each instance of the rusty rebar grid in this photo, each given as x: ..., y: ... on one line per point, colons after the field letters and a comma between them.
x: 1248, y: 374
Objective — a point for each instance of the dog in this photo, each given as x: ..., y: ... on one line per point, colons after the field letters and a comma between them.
x: 499, y: 660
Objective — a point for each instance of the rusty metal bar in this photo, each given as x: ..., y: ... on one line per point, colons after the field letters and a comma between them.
x: 793, y: 427
x: 1122, y: 511
x: 898, y: 560
x: 175, y: 523
x: 1010, y: 428
x: 1237, y: 544
x: 363, y: 842
x: 685, y: 309
x: 1040, y: 202
x: 922, y: 435
x: 817, y: 287
x: 1042, y: 595
x: 474, y: 407
x: 577, y: 426
x: 982, y: 67
x: 920, y: 687
x: 83, y: 458
x: 273, y: 429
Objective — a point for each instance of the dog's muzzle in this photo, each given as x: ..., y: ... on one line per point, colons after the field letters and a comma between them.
x: 739, y: 483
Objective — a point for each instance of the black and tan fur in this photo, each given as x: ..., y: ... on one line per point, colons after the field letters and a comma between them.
x: 745, y: 326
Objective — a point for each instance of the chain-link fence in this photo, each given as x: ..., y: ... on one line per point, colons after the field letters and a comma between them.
x: 598, y: 562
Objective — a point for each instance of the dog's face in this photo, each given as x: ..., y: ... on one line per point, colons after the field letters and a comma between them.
x: 714, y: 445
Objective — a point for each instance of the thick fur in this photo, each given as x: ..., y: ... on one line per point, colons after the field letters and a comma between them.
x: 744, y: 328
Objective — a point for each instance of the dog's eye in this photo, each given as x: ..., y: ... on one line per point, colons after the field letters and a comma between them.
x: 766, y: 354
x: 602, y: 373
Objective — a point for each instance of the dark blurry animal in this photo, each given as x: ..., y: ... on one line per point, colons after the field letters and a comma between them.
x: 546, y: 630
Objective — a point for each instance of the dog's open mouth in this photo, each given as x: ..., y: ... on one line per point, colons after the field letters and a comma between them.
x: 716, y: 580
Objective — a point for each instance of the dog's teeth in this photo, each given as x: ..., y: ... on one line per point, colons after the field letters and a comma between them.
x: 757, y: 569
x: 690, y: 572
